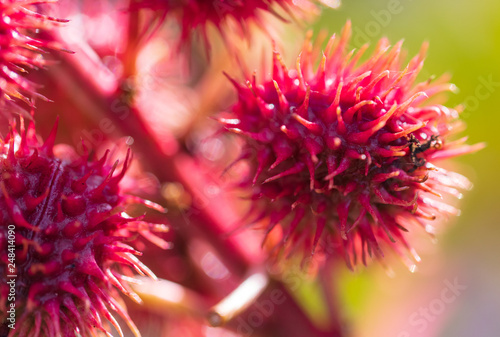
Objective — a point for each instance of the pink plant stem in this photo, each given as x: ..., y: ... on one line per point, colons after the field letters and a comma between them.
x: 130, y: 54
x: 327, y: 279
x: 293, y: 322
x: 106, y: 100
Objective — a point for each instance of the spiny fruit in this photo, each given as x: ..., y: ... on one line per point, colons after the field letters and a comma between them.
x: 64, y: 234
x: 342, y: 159
x: 20, y: 51
x: 199, y: 14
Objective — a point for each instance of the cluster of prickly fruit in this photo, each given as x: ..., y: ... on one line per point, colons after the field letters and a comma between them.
x: 341, y: 158
x: 20, y: 51
x: 64, y: 222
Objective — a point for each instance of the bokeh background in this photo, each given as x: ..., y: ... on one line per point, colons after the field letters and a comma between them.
x: 455, y: 292
x: 464, y: 39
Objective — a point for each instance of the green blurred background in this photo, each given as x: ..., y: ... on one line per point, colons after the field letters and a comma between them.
x: 464, y: 41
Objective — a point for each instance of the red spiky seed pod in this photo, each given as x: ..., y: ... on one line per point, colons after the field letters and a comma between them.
x: 197, y: 15
x: 63, y: 235
x: 342, y: 158
x: 20, y: 50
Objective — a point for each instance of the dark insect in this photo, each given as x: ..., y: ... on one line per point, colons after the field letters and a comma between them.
x: 416, y: 147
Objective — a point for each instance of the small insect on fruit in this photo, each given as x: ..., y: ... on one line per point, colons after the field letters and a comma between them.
x: 416, y: 148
